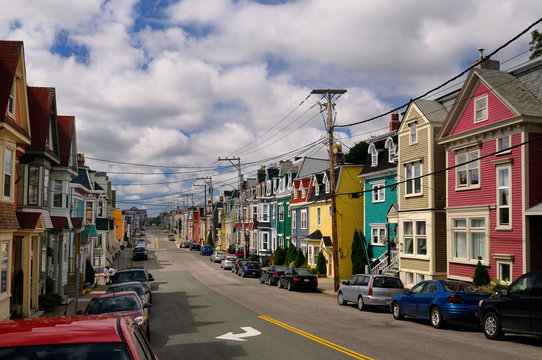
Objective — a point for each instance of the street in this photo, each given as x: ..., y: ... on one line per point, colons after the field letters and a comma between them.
x: 203, y: 312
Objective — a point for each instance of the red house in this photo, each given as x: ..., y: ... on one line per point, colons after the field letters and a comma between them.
x: 493, y: 141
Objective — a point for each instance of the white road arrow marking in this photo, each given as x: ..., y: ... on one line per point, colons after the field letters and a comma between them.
x: 239, y: 337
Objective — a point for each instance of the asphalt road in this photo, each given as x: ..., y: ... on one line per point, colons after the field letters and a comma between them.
x: 196, y: 305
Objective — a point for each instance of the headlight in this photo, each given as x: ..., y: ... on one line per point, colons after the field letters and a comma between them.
x: 140, y: 320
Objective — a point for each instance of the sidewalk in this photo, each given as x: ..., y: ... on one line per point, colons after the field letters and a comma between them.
x: 326, y: 286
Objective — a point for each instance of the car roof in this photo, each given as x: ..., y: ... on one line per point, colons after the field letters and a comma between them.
x: 60, y: 330
x: 126, y: 283
x: 115, y: 294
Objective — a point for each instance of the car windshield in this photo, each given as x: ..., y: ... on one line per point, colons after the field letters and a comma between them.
x: 453, y: 286
x: 280, y: 268
x: 387, y: 282
x: 252, y: 264
x: 130, y: 287
x: 113, y: 304
x: 130, y: 276
x: 302, y: 272
x: 115, y: 351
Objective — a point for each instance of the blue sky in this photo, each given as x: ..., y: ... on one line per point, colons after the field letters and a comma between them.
x: 161, y: 88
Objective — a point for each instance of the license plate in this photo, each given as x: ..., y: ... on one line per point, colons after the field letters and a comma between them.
x: 306, y: 280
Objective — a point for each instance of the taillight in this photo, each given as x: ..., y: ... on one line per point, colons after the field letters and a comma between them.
x: 455, y: 299
x: 371, y: 289
x: 276, y: 273
x: 295, y: 278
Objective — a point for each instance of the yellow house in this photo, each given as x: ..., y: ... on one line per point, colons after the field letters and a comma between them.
x: 118, y: 222
x: 349, y: 217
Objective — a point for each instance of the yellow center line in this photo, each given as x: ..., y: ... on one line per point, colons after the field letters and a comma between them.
x: 156, y: 242
x: 317, y: 339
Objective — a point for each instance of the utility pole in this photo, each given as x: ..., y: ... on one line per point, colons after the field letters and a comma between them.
x: 238, y: 166
x: 210, y: 178
x: 204, y: 210
x: 334, y: 240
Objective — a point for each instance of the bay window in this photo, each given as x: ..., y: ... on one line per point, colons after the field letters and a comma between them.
x: 469, y: 238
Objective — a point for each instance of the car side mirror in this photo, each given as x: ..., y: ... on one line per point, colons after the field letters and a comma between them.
x: 407, y: 292
x: 79, y: 312
x: 504, y: 292
x: 146, y: 306
x: 346, y: 282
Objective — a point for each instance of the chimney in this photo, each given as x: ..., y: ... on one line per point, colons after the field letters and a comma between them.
x: 338, y: 152
x: 394, y: 122
x: 487, y: 63
x: 80, y: 159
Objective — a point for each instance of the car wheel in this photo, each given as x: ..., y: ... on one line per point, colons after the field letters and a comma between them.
x: 340, y: 299
x: 436, y: 318
x: 290, y: 286
x: 492, y: 326
x: 243, y: 274
x: 360, y: 303
x: 396, y: 310
x: 261, y: 280
x: 269, y: 282
x: 279, y: 284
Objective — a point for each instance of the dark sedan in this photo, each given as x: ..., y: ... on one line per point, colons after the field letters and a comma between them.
x: 250, y: 268
x: 439, y: 301
x: 140, y: 252
x: 238, y: 263
x: 517, y: 309
x: 271, y: 275
x: 298, y: 278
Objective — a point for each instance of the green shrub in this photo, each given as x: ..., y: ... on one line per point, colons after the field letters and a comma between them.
x: 210, y: 239
x: 492, y: 288
x: 89, y: 272
x: 321, y: 263
x: 279, y: 256
x: 313, y: 270
x: 290, y: 255
x: 299, y: 258
x: 48, y: 302
x: 481, y: 276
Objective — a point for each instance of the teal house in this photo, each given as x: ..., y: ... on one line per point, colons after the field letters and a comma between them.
x: 287, y: 172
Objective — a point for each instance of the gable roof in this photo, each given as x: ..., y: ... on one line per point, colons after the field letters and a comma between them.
x: 66, y: 136
x: 42, y: 107
x: 383, y: 154
x: 10, y: 52
x: 310, y: 166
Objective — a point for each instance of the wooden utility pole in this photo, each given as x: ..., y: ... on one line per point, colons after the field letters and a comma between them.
x: 334, y: 240
x: 204, y: 211
x: 205, y: 178
x: 238, y: 166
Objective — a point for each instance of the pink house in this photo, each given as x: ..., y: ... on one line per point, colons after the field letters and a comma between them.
x: 493, y: 141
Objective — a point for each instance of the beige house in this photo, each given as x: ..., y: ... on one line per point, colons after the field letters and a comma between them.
x: 421, y: 193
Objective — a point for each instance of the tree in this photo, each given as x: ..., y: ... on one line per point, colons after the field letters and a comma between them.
x: 299, y: 258
x: 358, y: 256
x: 90, y: 275
x: 536, y: 44
x: 290, y: 255
x: 481, y: 276
x: 321, y: 263
x: 357, y: 153
x: 210, y: 238
x: 279, y: 256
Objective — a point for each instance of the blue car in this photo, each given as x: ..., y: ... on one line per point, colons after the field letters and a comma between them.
x: 250, y: 268
x: 206, y: 250
x: 439, y: 301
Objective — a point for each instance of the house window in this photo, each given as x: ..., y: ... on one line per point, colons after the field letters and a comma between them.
x: 327, y: 187
x: 281, y: 212
x: 480, y: 108
x: 415, y: 238
x: 374, y: 155
x: 33, y: 184
x: 316, y: 188
x: 303, y: 219
x: 4, y: 253
x: 378, y: 234
x: 420, y: 277
x: 503, y: 196
x: 318, y: 216
x: 329, y: 213
x: 265, y: 240
x: 468, y: 169
x: 504, y: 271
x: 392, y: 150
x: 88, y: 212
x: 11, y: 99
x: 413, y: 133
x: 45, y: 187
x: 265, y: 212
x: 49, y: 138
x: 414, y: 182
x: 409, y: 278
x: 503, y: 145
x: 57, y: 193
x: 8, y: 161
x: 294, y: 219
x: 469, y: 238
x: 379, y: 193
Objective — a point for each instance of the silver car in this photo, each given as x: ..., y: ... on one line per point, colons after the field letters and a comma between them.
x: 365, y: 289
x: 217, y: 256
x: 227, y: 262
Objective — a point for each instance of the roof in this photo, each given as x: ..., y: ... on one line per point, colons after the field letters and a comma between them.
x: 54, y: 330
x: 41, y: 107
x: 8, y: 219
x: 310, y: 166
x: 82, y: 177
x: 10, y: 52
x: 432, y: 110
x: 59, y: 223
x: 66, y: 130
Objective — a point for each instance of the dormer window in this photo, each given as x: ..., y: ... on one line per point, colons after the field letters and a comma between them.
x: 374, y: 155
x: 327, y: 187
x: 11, y: 100
x: 392, y: 150
x: 316, y: 188
x: 49, y: 139
x: 289, y: 181
x: 480, y: 109
x: 413, y: 133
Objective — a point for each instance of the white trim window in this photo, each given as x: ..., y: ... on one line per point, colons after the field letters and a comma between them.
x: 265, y: 240
x: 304, y: 219
x: 503, y: 145
x: 327, y: 186
x: 316, y: 187
x: 57, y: 193
x: 415, y: 237
x: 11, y: 100
x: 504, y: 271
x: 469, y: 238
x: 8, y: 168
x: 480, y: 109
x: 374, y: 154
x: 379, y: 192
x: 265, y: 212
x: 503, y: 197
x: 281, y: 212
x: 318, y: 216
x: 414, y: 181
x: 5, y: 260
x: 413, y: 133
x: 392, y: 150
x: 294, y: 219
x: 378, y: 234
x: 468, y: 169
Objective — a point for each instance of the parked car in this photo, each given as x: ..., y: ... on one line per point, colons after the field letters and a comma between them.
x: 74, y: 337
x: 141, y: 242
x: 171, y: 237
x: 194, y: 246
x: 250, y: 268
x: 271, y: 275
x: 517, y: 309
x: 122, y: 303
x: 131, y: 286
x: 218, y: 256
x: 238, y: 263
x: 240, y: 253
x: 140, y: 252
x: 439, y: 301
x: 365, y: 289
x: 298, y: 278
x: 206, y: 250
x: 186, y: 244
x: 134, y: 274
x: 228, y: 262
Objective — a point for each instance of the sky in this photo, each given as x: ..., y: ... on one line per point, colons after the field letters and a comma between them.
x: 161, y: 89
